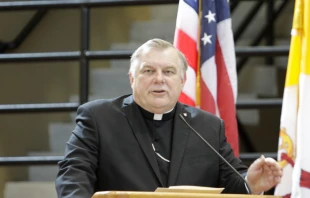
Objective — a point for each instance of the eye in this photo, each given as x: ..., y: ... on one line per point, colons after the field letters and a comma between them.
x: 148, y: 71
x: 169, y: 72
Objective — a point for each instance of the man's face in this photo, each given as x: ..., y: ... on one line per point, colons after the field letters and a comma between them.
x: 158, y: 80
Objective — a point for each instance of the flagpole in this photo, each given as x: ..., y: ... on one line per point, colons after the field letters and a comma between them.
x: 198, y: 77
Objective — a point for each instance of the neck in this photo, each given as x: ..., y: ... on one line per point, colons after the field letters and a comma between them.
x: 152, y: 109
x: 156, y: 110
x: 155, y: 116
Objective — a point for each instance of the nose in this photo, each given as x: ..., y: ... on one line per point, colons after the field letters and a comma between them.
x: 159, y: 77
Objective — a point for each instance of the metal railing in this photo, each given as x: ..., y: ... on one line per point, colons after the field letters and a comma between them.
x: 119, y: 54
x: 53, y: 160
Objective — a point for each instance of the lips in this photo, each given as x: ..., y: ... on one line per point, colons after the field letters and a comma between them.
x: 159, y: 91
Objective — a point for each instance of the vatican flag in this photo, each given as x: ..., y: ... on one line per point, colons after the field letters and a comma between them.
x: 294, y: 140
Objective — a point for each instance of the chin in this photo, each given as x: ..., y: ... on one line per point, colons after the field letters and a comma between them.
x: 161, y: 108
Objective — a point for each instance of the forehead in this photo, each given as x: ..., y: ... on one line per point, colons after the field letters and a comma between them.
x: 160, y: 57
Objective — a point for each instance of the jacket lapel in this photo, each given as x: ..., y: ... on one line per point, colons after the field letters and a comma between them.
x: 179, y: 142
x: 137, y: 123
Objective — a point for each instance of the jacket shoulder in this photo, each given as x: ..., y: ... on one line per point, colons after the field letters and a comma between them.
x: 201, y: 114
x: 100, y: 104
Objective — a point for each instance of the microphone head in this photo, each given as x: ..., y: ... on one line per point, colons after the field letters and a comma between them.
x: 181, y: 116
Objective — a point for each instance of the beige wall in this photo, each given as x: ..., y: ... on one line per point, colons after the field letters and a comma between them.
x: 49, y: 81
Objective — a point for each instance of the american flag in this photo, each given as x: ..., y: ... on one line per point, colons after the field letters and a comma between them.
x: 204, y: 35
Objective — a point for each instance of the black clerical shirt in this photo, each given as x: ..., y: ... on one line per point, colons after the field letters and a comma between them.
x: 160, y: 129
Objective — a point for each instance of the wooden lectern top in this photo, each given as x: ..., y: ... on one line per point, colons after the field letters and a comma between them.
x: 131, y: 194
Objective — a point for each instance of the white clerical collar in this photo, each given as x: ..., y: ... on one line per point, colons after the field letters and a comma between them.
x: 157, y: 117
x: 160, y: 116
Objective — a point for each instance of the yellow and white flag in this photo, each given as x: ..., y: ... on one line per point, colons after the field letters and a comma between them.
x: 294, y: 140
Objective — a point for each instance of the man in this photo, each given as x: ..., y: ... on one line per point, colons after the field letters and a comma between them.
x: 139, y: 142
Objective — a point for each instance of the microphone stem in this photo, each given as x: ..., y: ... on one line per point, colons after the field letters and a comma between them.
x: 211, y: 147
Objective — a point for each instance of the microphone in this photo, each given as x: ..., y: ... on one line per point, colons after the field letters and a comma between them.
x: 217, y: 153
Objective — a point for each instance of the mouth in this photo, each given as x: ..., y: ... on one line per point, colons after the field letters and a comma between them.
x: 158, y: 92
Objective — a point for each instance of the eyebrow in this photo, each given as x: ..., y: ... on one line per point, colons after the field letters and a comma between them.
x: 144, y: 64
x: 170, y: 67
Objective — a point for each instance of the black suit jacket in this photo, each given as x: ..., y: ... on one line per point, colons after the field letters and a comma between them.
x: 110, y: 149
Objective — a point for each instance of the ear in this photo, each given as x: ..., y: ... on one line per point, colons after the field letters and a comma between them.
x: 131, y: 79
x: 183, y: 80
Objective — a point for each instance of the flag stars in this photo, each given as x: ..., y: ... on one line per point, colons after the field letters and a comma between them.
x: 206, y: 39
x: 210, y: 16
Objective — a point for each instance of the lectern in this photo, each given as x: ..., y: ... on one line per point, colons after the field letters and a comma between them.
x: 129, y: 194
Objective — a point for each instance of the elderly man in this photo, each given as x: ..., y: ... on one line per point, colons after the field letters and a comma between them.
x: 139, y: 142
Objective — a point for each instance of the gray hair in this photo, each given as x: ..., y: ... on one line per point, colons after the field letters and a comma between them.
x: 155, y: 44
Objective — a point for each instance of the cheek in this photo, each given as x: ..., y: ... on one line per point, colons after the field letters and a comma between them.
x: 140, y: 84
x: 144, y: 82
x: 176, y: 85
